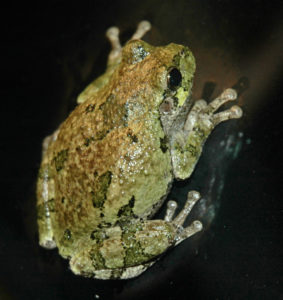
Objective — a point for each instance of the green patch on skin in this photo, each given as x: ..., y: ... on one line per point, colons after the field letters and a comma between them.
x: 60, y: 159
x: 134, y: 254
x: 100, y: 189
x: 134, y: 251
x: 181, y: 95
x: 96, y: 258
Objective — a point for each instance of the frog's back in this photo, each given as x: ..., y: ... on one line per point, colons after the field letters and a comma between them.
x: 110, y: 161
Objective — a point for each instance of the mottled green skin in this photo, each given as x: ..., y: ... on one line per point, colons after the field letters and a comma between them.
x: 110, y: 164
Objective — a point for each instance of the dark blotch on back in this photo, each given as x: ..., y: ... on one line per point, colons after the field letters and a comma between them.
x: 164, y: 144
x: 133, y: 137
x: 127, y: 209
x: 60, y: 159
x: 101, y: 185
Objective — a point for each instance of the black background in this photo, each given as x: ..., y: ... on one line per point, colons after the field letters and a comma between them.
x: 52, y: 50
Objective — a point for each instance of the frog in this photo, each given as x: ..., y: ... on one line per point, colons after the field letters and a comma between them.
x: 110, y: 165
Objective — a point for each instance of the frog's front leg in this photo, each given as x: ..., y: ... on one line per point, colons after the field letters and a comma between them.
x: 127, y: 250
x: 186, y: 146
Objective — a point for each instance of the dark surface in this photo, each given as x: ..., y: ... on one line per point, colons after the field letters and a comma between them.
x: 52, y: 51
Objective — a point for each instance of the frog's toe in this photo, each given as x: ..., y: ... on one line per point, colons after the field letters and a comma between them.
x: 192, y: 229
x: 142, y: 29
x: 171, y: 208
x: 113, y: 36
x: 193, y: 197
x: 226, y: 96
x: 235, y: 112
x: 205, y: 113
x: 196, y: 226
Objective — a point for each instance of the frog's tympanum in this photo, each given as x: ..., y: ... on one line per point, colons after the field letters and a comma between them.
x: 109, y: 166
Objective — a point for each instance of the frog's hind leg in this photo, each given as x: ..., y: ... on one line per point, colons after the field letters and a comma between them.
x: 113, y: 36
x: 127, y: 250
x: 45, y: 198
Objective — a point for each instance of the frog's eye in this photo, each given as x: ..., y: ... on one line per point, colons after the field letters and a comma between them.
x: 174, y: 78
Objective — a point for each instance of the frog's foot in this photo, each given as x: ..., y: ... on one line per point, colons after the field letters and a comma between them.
x: 128, y: 249
x: 204, y: 113
x: 113, y: 36
x: 202, y: 119
x: 196, y: 226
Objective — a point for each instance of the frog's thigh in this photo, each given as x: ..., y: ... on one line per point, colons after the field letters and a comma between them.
x: 124, y: 251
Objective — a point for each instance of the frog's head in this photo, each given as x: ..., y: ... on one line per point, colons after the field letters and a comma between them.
x: 166, y: 73
x: 179, y: 72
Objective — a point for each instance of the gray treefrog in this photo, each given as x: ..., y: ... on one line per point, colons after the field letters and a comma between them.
x: 111, y: 163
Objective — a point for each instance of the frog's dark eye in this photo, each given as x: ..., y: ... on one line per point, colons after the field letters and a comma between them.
x: 174, y: 78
